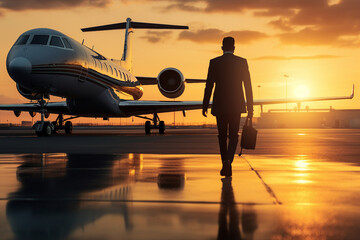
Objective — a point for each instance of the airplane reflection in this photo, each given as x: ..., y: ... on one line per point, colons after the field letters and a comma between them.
x: 49, y: 203
x: 228, y: 207
x: 172, y: 174
x: 59, y: 195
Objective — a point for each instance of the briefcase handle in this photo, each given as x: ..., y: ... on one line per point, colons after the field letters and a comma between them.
x: 248, y: 121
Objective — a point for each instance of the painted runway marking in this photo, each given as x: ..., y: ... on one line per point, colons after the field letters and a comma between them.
x: 267, y: 187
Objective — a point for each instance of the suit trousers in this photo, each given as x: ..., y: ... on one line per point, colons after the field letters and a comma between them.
x: 228, y: 126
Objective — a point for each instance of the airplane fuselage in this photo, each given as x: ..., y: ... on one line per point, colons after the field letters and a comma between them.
x: 45, y: 61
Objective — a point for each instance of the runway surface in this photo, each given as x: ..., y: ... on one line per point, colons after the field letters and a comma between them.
x: 121, y: 184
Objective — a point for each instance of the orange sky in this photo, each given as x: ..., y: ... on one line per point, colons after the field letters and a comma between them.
x: 315, y: 43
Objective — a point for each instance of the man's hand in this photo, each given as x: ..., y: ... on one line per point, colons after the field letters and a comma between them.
x: 204, y: 112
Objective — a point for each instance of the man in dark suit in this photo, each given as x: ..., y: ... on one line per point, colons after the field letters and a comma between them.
x: 228, y: 72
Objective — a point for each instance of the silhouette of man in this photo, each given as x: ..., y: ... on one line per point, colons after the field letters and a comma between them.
x: 228, y: 72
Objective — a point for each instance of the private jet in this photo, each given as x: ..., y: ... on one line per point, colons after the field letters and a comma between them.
x: 44, y: 62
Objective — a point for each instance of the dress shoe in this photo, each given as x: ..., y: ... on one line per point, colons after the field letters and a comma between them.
x: 226, y: 169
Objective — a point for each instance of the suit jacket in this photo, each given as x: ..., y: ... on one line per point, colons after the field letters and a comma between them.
x: 228, y: 72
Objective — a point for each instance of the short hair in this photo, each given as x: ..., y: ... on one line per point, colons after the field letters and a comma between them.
x: 228, y: 43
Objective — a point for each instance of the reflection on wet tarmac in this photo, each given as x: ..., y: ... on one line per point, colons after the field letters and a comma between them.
x: 48, y: 204
x: 228, y: 210
x: 136, y: 196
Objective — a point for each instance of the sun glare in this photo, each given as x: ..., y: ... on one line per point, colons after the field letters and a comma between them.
x: 301, y: 91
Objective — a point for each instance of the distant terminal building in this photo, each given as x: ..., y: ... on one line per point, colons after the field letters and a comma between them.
x: 310, y: 118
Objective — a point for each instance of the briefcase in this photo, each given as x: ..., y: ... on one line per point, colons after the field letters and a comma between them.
x: 248, y: 136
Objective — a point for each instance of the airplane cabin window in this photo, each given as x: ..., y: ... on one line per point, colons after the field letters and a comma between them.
x: 22, y: 40
x: 94, y: 63
x: 116, y: 72
x: 106, y: 68
x: 40, y: 39
x: 67, y: 44
x: 111, y: 70
x: 56, y: 41
x: 100, y: 65
x: 120, y: 75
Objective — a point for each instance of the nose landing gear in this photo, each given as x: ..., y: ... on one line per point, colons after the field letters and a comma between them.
x: 46, y: 128
x: 43, y: 128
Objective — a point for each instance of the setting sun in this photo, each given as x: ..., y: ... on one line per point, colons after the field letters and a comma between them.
x: 301, y: 91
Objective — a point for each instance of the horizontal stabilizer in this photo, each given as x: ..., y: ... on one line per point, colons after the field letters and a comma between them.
x: 139, y: 25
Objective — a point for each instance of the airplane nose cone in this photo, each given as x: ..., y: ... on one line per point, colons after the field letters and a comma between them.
x: 19, y: 68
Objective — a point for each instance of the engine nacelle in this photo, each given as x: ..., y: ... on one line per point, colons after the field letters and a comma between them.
x: 28, y: 93
x: 171, y: 82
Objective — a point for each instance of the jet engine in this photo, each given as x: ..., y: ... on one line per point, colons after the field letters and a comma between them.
x: 171, y: 82
x: 28, y: 93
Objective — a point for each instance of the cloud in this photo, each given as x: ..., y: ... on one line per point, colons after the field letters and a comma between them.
x: 157, y: 36
x: 184, y: 6
x: 20, y: 5
x: 311, y: 36
x: 209, y: 35
x: 281, y: 24
x: 313, y: 57
x: 302, y: 22
x: 213, y: 35
x: 275, y: 12
x: 333, y: 19
x: 265, y: 7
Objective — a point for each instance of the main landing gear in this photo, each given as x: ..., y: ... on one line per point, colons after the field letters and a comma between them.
x: 59, y: 124
x: 46, y: 128
x: 157, y: 124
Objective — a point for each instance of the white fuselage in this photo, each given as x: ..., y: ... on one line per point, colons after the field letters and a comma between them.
x: 45, y: 61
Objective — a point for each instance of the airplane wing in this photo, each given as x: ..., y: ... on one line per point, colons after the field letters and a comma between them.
x: 54, y: 107
x: 153, y: 80
x: 149, y: 107
x: 299, y: 100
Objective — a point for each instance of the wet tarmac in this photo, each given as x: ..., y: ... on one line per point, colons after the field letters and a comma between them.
x: 312, y: 193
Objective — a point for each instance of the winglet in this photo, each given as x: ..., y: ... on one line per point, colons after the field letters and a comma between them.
x: 353, y: 92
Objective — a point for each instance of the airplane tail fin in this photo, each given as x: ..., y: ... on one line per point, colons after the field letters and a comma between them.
x: 128, y: 26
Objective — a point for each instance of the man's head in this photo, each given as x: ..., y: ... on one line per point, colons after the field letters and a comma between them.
x: 228, y: 44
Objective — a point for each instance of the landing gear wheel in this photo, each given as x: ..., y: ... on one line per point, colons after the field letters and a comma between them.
x: 56, y: 127
x: 161, y: 127
x: 68, y: 127
x: 147, y: 127
x: 46, y: 130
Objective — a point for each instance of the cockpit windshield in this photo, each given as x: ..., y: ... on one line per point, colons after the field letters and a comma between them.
x: 67, y: 44
x: 40, y: 39
x: 22, y: 40
x: 56, y: 41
